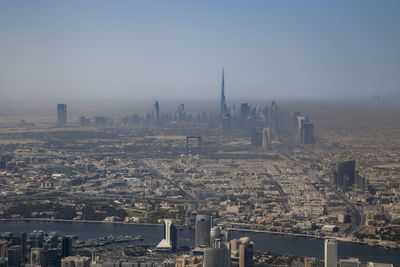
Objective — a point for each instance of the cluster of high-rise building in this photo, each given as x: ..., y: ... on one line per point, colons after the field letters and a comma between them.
x: 34, y: 250
x: 301, y: 127
x: 331, y: 258
x: 263, y: 124
x: 213, y: 247
x: 216, y: 247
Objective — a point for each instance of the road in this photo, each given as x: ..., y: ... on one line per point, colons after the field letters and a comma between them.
x: 355, y: 213
x: 357, y: 221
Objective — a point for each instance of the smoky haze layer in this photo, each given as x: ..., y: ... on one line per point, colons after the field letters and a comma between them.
x: 321, y: 111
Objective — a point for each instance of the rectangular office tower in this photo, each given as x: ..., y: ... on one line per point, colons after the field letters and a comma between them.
x: 246, y: 252
x: 203, y: 229
x: 307, y: 133
x: 216, y: 257
x: 330, y: 253
x: 61, y: 114
x: 14, y: 256
x: 344, y: 174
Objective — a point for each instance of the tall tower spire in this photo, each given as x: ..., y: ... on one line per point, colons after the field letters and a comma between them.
x: 223, y: 103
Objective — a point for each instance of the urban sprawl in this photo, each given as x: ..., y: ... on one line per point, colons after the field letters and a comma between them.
x: 249, y: 168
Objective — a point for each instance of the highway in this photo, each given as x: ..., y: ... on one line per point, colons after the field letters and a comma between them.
x: 356, y: 217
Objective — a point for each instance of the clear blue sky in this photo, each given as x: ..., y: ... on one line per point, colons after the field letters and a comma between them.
x: 155, y: 49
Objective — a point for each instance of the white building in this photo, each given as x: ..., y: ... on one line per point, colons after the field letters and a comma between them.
x: 169, y: 242
x: 330, y: 253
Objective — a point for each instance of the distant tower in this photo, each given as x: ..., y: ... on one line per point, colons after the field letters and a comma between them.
x: 156, y: 113
x: 203, y: 228
x: 273, y: 118
x: 181, y: 112
x: 223, y: 103
x: 307, y: 133
x: 344, y: 174
x: 61, y: 114
x: 244, y: 115
x: 266, y: 138
x: 306, y: 130
x: 330, y: 253
x: 256, y: 137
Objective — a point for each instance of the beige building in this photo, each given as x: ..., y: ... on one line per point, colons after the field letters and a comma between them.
x: 75, y: 261
x: 189, y: 261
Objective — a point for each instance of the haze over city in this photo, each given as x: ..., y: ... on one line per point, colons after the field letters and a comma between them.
x: 199, y: 133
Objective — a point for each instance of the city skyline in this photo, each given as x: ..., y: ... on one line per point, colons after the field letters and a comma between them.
x: 199, y: 134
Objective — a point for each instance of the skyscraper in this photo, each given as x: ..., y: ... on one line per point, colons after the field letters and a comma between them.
x: 38, y: 257
x: 223, y: 103
x: 180, y: 112
x: 216, y: 257
x: 219, y: 235
x: 344, y: 174
x: 203, y: 228
x: 51, y: 240
x: 100, y: 121
x: 36, y: 239
x: 14, y: 256
x: 52, y: 257
x: 273, y: 118
x: 66, y: 247
x: 244, y: 114
x: 246, y: 252
x: 61, y: 114
x: 170, y: 240
x: 266, y: 138
x: 330, y: 253
x: 307, y: 132
x: 18, y: 239
x: 156, y: 113
x: 218, y: 254
x: 256, y: 137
